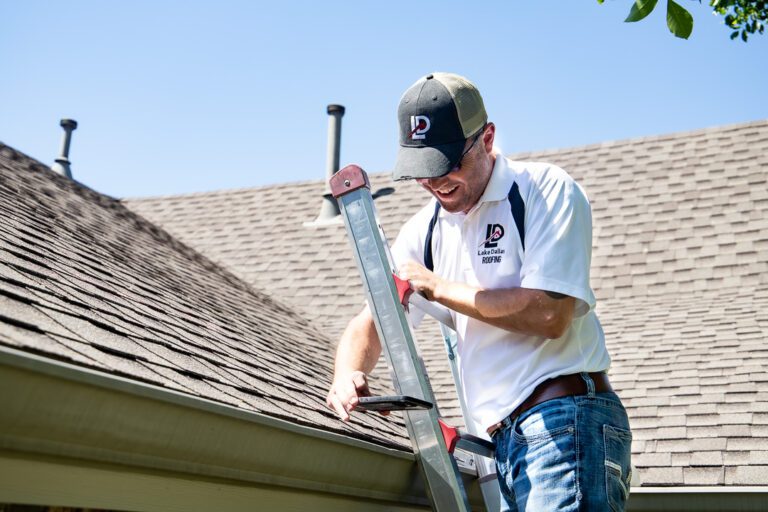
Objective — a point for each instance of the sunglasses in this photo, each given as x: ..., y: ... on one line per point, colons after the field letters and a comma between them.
x: 457, y: 167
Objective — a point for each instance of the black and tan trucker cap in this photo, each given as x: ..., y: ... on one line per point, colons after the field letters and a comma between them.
x: 437, y: 115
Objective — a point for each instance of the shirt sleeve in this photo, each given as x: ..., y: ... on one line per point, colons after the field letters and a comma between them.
x: 409, y: 244
x: 558, y: 238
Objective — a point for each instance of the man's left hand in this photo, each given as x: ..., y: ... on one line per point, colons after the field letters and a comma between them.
x: 421, y: 279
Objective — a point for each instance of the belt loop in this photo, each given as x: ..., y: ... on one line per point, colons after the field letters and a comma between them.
x: 590, y: 384
x: 512, y: 423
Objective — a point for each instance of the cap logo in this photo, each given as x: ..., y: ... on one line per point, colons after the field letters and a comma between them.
x: 420, y: 125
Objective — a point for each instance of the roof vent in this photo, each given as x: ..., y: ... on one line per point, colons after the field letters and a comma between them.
x: 329, y: 210
x: 62, y: 162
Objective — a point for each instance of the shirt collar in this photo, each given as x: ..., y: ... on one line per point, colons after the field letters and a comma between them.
x: 498, y: 186
x: 500, y: 182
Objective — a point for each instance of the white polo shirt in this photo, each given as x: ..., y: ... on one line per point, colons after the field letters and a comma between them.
x: 498, y: 368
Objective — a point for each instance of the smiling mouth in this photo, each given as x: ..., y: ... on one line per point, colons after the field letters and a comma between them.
x: 446, y: 192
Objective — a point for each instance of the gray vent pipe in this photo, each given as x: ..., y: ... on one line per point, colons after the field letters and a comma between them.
x: 329, y: 210
x: 62, y: 162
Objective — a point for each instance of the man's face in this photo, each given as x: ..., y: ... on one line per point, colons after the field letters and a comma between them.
x: 460, y: 189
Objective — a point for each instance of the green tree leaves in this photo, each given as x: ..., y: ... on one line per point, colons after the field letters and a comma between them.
x: 743, y: 17
x: 641, y: 9
x: 679, y: 20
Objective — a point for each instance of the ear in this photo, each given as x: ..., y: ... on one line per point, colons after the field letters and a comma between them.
x: 488, y: 137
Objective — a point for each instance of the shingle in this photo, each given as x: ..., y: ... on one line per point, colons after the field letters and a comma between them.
x: 746, y: 443
x: 704, y: 419
x: 759, y: 457
x: 708, y: 444
x: 673, y: 446
x: 735, y: 458
x: 731, y: 431
x: 703, y: 408
x: 746, y: 475
x: 661, y: 476
x: 707, y: 458
x: 642, y: 460
x: 704, y: 476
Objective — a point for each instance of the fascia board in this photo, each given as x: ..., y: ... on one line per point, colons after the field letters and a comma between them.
x: 54, y: 409
x: 28, y: 479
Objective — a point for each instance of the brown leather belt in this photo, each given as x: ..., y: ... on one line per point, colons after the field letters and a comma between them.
x: 564, y: 385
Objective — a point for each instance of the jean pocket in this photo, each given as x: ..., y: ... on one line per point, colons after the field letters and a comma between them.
x: 545, y: 424
x: 618, y: 467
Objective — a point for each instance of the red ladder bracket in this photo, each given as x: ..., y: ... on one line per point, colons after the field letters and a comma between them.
x: 450, y: 435
x: 404, y: 290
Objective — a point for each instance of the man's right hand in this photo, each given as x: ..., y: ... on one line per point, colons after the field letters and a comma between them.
x: 345, y: 393
x: 358, y: 351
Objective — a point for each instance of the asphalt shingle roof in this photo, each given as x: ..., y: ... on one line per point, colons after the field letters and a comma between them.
x: 679, y: 267
x: 85, y: 280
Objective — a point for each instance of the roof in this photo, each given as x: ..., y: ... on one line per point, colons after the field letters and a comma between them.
x: 85, y: 280
x: 679, y: 266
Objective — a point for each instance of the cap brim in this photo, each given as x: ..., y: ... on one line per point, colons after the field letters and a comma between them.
x: 427, y: 162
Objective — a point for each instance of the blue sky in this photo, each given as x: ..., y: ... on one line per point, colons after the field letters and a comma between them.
x: 175, y: 97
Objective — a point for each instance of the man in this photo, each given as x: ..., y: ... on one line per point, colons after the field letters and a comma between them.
x: 506, y: 246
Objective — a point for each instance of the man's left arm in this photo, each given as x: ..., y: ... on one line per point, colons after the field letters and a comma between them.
x: 554, y: 276
x: 523, y: 310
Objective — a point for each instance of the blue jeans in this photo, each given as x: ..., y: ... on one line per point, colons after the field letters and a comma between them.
x: 570, y: 453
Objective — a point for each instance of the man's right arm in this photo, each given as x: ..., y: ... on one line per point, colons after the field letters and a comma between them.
x: 359, y: 347
x: 356, y: 356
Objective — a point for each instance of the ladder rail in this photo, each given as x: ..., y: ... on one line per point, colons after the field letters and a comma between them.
x: 351, y: 188
x: 486, y: 469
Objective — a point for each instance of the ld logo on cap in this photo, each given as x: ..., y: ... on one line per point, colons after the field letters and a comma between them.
x: 419, y: 127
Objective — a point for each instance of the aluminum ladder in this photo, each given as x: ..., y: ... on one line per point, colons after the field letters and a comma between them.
x: 433, y: 441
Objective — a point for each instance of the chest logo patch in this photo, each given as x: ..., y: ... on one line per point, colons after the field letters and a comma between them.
x: 493, y: 233
x: 489, y: 251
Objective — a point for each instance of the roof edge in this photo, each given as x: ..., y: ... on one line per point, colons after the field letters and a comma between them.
x: 64, y: 411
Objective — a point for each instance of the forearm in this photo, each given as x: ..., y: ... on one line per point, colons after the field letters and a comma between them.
x: 359, y: 347
x: 533, y: 312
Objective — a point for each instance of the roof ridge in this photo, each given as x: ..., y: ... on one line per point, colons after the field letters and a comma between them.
x: 646, y: 138
x: 225, y: 191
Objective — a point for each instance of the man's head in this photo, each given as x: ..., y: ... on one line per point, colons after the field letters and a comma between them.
x: 445, y: 140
